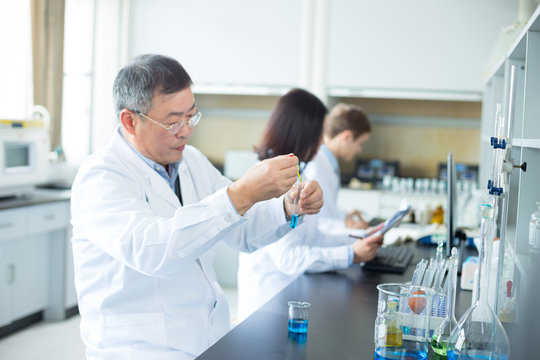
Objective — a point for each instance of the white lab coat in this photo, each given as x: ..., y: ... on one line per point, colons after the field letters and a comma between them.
x: 331, y: 217
x: 143, y: 264
x: 265, y: 272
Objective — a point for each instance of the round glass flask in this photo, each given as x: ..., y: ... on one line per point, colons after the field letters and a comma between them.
x: 479, y: 333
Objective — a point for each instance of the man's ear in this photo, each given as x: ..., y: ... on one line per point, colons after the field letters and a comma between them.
x: 127, y: 118
x: 346, y: 135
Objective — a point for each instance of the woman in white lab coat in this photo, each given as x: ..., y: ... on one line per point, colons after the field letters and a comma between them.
x: 143, y: 253
x: 296, y: 124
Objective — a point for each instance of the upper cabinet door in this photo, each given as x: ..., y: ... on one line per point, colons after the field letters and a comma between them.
x: 414, y: 45
x: 222, y: 43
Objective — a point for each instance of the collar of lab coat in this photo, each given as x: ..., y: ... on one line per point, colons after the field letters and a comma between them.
x: 121, y: 147
x: 330, y: 156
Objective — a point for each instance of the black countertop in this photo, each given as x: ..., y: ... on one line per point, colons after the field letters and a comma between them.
x: 341, y: 321
x: 38, y: 196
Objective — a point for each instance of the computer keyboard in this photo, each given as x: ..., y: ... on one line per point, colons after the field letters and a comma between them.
x: 393, y: 259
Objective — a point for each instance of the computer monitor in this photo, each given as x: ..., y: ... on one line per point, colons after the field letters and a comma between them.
x: 451, y: 196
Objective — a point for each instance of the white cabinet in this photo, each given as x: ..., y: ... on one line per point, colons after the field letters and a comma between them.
x: 387, y: 48
x: 234, y: 43
x: 29, y: 243
x: 524, y: 186
x: 69, y: 278
x: 30, y: 282
x: 416, y: 46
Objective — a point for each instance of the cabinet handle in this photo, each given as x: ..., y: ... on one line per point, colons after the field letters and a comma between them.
x: 6, y: 225
x: 11, y: 274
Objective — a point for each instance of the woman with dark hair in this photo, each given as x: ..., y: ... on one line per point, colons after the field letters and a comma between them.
x: 296, y: 126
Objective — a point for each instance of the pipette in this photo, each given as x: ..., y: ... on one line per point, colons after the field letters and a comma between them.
x: 419, y: 272
x: 296, y: 198
x: 430, y: 272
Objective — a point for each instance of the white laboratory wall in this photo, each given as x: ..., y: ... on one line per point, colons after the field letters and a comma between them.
x: 441, y: 46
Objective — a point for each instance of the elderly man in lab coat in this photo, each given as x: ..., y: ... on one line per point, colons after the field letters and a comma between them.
x: 147, y: 210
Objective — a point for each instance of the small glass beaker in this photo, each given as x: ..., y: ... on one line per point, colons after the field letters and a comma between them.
x: 298, y: 316
x: 402, y: 328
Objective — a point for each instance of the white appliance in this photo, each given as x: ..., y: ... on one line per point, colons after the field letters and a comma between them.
x: 23, y: 159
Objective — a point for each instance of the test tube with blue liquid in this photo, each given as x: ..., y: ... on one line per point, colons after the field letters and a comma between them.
x: 296, y: 199
x: 298, y: 316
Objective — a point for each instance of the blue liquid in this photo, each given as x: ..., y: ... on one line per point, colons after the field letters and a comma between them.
x: 298, y: 326
x: 475, y: 355
x: 294, y: 220
x: 297, y: 337
x: 398, y: 353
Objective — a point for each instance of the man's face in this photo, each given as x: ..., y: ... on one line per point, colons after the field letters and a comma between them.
x: 157, y: 143
x: 354, y: 147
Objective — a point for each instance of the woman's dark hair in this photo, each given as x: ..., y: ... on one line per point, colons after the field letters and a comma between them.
x: 295, y: 126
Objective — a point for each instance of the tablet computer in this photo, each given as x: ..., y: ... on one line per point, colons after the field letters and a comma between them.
x: 394, y: 220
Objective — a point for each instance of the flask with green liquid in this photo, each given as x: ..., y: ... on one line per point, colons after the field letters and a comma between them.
x: 439, y: 339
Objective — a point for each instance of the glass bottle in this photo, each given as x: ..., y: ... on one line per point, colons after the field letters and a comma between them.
x: 534, y: 231
x: 439, y: 339
x: 388, y: 327
x: 508, y: 313
x: 479, y: 333
x: 438, y: 215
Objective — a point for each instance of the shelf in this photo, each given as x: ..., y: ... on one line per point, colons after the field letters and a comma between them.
x: 246, y: 90
x: 527, y: 143
x: 408, y: 94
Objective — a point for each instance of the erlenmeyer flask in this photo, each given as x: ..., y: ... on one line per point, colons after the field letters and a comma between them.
x: 439, y: 339
x: 479, y: 333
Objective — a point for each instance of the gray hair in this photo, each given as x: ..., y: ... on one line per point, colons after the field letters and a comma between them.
x: 146, y: 76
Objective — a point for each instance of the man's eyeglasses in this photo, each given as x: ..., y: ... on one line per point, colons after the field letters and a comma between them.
x: 173, y: 129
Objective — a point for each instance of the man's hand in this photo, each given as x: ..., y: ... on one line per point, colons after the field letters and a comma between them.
x: 268, y: 179
x: 354, y: 220
x: 364, y: 250
x: 373, y: 229
x: 311, y: 199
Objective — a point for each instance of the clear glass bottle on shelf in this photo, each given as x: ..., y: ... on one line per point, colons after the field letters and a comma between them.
x: 479, y: 334
x: 439, y: 339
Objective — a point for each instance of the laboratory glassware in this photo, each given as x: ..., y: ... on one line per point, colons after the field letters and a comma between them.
x: 439, y: 339
x: 479, y: 333
x: 507, y: 312
x: 402, y: 324
x: 297, y: 189
x: 298, y: 316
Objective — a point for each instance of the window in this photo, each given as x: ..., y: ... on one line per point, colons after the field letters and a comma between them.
x: 92, y: 53
x: 78, y: 70
x: 16, y: 91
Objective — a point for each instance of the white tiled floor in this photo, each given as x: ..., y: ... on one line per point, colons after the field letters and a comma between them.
x: 45, y: 340
x: 60, y: 340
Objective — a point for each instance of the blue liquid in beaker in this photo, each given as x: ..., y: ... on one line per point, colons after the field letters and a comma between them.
x: 294, y: 220
x: 399, y: 353
x: 298, y: 325
x: 475, y: 355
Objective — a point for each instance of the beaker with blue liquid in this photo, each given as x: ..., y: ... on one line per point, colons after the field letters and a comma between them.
x: 298, y: 316
x: 402, y: 327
